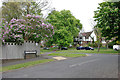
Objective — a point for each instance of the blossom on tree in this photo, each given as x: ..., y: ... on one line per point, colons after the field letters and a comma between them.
x: 30, y: 28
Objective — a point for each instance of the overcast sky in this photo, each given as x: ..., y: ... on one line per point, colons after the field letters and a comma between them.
x: 81, y: 9
x: 0, y: 3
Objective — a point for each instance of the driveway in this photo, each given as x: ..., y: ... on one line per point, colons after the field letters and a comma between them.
x: 93, y: 66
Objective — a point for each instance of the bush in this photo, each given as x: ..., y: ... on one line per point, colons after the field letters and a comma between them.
x: 29, y: 28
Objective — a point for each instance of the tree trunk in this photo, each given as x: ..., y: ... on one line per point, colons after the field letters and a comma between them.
x: 98, y: 47
x: 106, y: 44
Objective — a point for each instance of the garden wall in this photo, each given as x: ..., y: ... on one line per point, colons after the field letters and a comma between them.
x: 16, y: 51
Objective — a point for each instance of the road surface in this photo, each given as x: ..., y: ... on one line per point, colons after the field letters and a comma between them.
x: 93, y: 66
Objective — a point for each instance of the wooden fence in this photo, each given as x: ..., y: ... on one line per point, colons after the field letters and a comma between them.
x: 16, y: 51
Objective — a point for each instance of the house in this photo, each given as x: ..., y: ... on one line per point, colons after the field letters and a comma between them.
x: 85, y: 38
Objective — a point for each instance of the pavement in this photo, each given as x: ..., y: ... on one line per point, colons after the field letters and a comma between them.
x: 94, y: 66
x: 41, y: 57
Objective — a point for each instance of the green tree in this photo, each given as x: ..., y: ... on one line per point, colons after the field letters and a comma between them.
x: 62, y: 38
x: 108, y: 20
x: 99, y: 37
x: 97, y: 32
x: 64, y: 19
x: 16, y: 10
x: 66, y: 27
x: 11, y: 10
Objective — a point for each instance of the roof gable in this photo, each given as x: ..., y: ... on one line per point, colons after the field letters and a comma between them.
x: 86, y: 34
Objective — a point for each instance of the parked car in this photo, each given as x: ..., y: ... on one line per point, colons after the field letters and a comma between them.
x: 92, y: 48
x: 84, y: 48
x: 89, y: 48
x: 64, y: 48
x: 46, y: 48
x: 80, y: 48
x: 116, y: 47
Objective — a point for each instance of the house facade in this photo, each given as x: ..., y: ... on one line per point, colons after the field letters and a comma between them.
x: 84, y: 38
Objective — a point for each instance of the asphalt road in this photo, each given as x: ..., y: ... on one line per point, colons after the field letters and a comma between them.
x: 94, y: 66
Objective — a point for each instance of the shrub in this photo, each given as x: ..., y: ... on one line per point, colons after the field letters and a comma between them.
x: 30, y: 28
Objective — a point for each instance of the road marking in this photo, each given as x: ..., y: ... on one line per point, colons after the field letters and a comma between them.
x: 79, y: 64
x: 59, y: 58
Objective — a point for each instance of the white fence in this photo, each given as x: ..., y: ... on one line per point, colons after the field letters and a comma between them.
x: 16, y: 51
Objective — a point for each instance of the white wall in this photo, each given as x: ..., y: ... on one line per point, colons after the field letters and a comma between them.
x: 93, y: 35
x: 84, y: 39
x: 89, y: 39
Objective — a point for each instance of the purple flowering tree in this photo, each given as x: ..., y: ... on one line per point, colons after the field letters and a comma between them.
x: 30, y: 28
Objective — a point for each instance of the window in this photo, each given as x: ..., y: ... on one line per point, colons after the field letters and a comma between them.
x: 80, y: 37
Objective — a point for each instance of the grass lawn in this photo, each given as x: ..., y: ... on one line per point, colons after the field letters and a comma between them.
x: 66, y: 54
x: 73, y: 50
x: 23, y: 65
x: 102, y: 51
x: 42, y: 51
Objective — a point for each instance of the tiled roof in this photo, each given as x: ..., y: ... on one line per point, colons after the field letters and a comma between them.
x: 86, y: 34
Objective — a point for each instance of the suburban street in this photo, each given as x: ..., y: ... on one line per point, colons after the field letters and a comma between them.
x: 92, y: 66
x: 59, y: 39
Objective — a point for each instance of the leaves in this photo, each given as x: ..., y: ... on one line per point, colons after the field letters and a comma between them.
x: 16, y: 10
x: 31, y: 28
x: 66, y: 26
x: 65, y: 19
x: 108, y: 18
x: 62, y: 37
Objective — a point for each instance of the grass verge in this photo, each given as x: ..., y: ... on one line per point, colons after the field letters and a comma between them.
x: 23, y: 65
x: 42, y: 51
x: 66, y: 54
x: 102, y: 51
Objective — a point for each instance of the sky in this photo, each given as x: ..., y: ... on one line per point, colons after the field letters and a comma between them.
x: 0, y: 3
x: 81, y: 9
